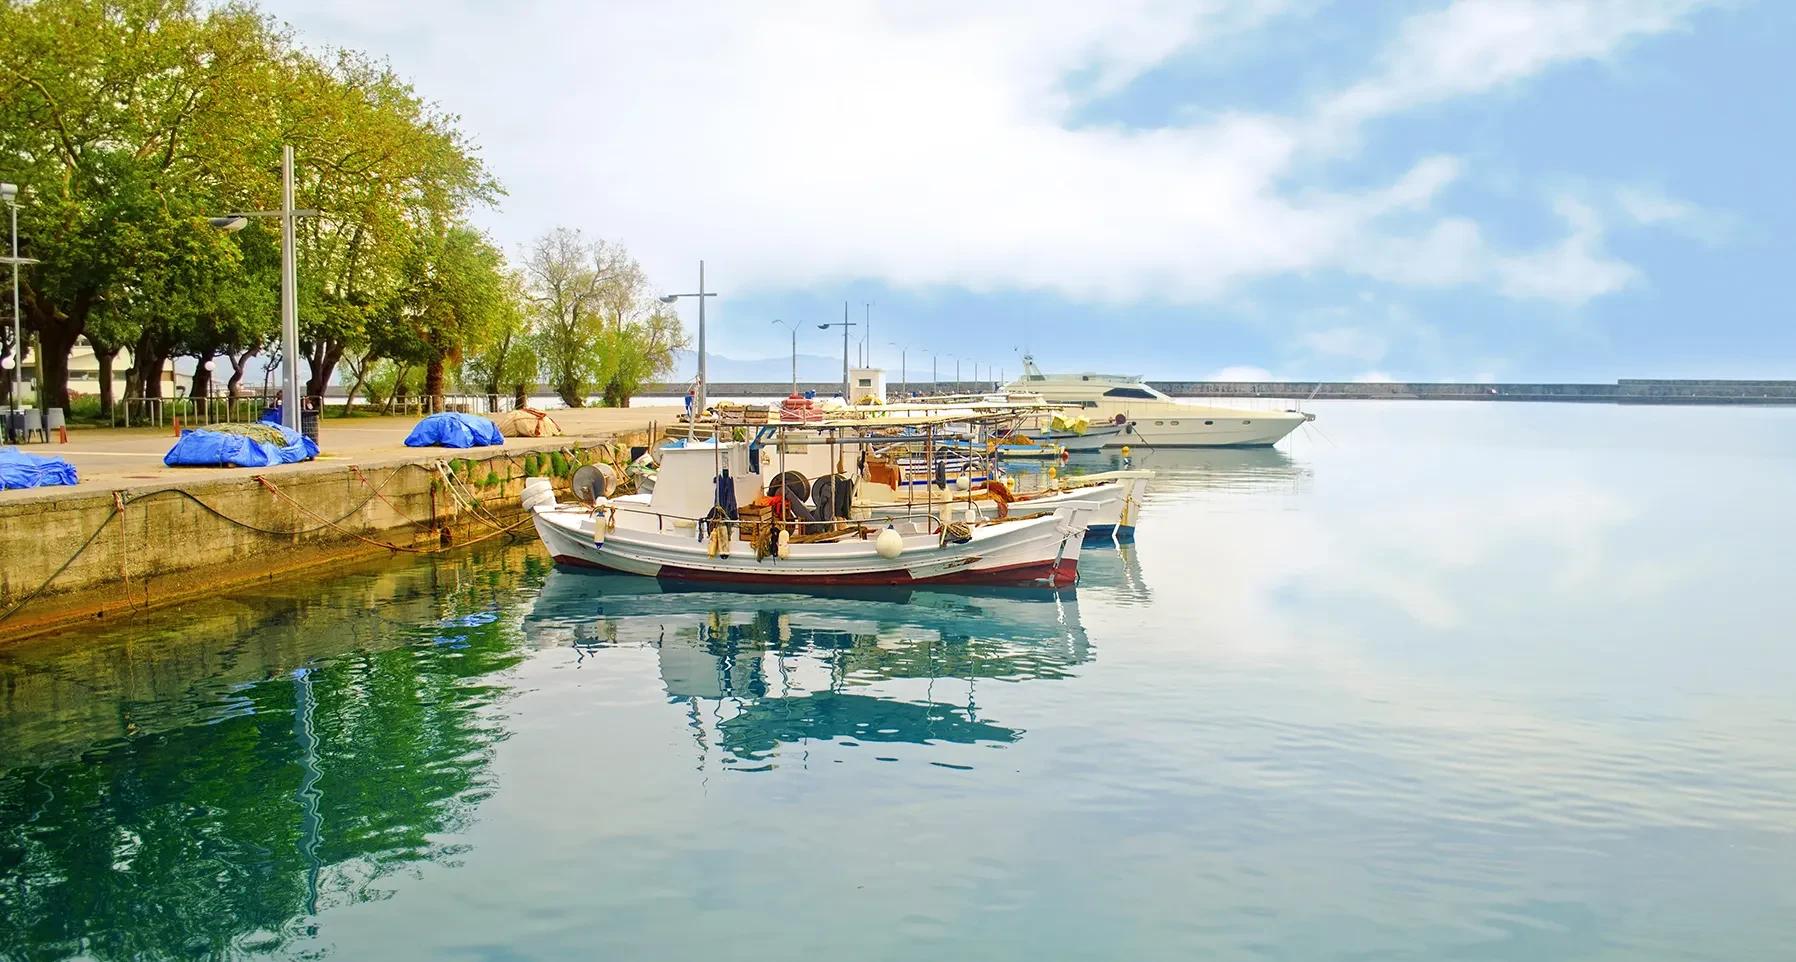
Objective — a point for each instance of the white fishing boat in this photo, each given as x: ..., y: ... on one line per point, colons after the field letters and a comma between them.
x: 690, y: 529
x: 1157, y: 420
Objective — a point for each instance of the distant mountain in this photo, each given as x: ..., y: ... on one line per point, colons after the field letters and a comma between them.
x: 811, y: 367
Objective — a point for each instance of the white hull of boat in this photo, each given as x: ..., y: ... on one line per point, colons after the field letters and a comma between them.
x: 1167, y: 424
x: 1033, y: 552
x: 1095, y: 438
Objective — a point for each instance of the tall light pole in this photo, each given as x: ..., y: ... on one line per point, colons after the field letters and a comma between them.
x: 698, y: 408
x: 867, y: 336
x: 956, y: 372
x: 292, y: 394
x: 793, y: 325
x: 847, y: 389
x: 10, y: 194
x: 903, y: 370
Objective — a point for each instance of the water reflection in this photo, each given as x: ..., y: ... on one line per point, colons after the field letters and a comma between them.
x: 207, y: 784
x: 761, y: 671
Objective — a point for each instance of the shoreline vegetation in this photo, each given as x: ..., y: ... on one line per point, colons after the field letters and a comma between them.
x: 128, y: 123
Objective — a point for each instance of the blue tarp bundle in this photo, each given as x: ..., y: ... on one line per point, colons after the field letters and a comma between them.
x: 217, y: 449
x: 454, y: 430
x: 21, y: 470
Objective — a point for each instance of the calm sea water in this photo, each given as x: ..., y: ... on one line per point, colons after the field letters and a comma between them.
x: 1430, y: 681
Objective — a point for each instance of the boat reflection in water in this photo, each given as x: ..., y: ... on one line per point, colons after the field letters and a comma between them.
x: 1266, y: 470
x: 759, y: 671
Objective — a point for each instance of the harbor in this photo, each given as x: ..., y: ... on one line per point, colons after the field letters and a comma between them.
x: 393, y: 741
x: 136, y: 534
x: 1225, y: 480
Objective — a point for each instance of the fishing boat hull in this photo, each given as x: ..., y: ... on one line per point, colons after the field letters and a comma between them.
x: 1093, y: 439
x: 1041, y: 552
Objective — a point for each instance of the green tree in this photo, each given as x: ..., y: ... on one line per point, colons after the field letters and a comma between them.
x: 563, y: 281
x: 509, y: 358
x: 450, y: 302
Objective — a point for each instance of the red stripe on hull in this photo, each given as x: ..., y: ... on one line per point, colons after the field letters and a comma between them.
x: 1039, y: 573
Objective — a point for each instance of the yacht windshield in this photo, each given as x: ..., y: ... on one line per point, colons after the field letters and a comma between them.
x: 1134, y: 392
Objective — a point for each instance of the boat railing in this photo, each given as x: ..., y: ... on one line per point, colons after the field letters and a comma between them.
x: 662, y: 518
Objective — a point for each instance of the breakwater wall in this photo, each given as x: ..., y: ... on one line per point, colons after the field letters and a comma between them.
x: 1627, y: 391
x: 72, y: 554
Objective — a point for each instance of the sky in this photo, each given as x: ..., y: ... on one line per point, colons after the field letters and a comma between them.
x: 1498, y: 190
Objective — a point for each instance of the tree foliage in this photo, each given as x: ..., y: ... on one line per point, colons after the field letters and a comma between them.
x: 598, y: 327
x: 128, y: 123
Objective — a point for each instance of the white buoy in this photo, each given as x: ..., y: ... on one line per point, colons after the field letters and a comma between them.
x: 963, y: 482
x: 889, y: 544
x: 784, y: 541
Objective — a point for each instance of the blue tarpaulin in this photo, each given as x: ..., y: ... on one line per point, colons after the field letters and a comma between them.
x: 21, y: 470
x: 452, y: 429
x: 217, y: 449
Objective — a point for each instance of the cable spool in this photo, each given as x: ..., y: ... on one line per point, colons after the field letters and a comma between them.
x: 791, y: 485
x: 592, y: 482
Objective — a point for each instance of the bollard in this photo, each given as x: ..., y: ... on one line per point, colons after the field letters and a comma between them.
x: 62, y: 434
x: 177, y: 423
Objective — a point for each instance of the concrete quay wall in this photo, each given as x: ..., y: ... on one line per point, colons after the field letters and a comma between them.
x: 72, y: 554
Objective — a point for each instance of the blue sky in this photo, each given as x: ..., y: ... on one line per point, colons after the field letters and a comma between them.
x: 1450, y: 189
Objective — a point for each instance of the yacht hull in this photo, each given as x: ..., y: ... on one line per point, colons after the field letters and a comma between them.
x: 1191, y: 426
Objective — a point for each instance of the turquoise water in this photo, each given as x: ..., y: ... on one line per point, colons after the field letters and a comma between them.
x: 1430, y: 681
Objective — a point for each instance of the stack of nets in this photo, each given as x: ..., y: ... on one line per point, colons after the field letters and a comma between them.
x: 256, y: 431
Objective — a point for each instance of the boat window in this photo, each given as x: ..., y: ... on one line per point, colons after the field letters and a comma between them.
x: 1129, y: 392
x: 1209, y: 422
x: 1246, y: 422
x: 1158, y: 423
x: 1175, y: 424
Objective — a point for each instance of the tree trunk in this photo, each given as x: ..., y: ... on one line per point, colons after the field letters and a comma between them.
x: 361, y: 375
x: 522, y: 397
x: 233, y: 386
x: 398, y: 395
x: 323, y: 359
x: 56, y: 336
x: 433, y: 384
x: 104, y: 358
x: 202, y: 378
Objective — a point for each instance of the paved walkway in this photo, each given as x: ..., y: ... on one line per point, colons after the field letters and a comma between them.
x: 110, y: 458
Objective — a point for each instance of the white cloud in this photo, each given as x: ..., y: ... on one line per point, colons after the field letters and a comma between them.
x: 925, y: 144
x: 1472, y: 46
x: 1350, y: 342
x: 1243, y: 373
x: 1373, y: 377
x: 1648, y: 207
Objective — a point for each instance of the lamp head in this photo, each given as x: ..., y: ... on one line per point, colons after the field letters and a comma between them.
x: 669, y: 298
x: 8, y: 192
x: 6, y: 363
x: 230, y: 222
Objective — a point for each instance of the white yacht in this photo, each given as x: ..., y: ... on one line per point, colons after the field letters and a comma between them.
x: 1158, y: 420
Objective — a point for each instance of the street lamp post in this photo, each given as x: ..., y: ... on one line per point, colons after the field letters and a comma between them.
x: 10, y: 194
x: 956, y: 372
x: 903, y: 370
x: 793, y: 326
x: 698, y: 408
x: 847, y: 390
x: 292, y: 395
